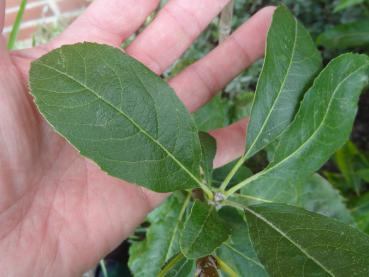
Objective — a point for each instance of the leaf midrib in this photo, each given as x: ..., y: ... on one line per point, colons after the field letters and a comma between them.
x: 283, y: 234
x: 179, y: 219
x: 244, y: 256
x: 279, y: 92
x: 143, y: 131
x: 262, y: 173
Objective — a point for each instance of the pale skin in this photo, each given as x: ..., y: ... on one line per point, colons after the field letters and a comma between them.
x: 59, y: 213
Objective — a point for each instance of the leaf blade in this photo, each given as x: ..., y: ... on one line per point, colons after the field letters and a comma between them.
x: 288, y: 45
x: 161, y: 241
x: 322, y: 124
x: 204, y: 231
x: 238, y: 251
x: 314, y: 194
x: 95, y: 96
x: 308, y: 242
x: 208, y: 148
x: 354, y: 34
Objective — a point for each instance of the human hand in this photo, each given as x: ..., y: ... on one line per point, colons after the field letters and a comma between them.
x: 59, y: 213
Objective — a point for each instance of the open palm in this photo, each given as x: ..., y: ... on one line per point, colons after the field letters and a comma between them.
x: 59, y: 214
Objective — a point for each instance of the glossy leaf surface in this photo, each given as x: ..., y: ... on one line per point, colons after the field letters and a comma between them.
x: 291, y: 62
x: 118, y: 113
x: 292, y: 242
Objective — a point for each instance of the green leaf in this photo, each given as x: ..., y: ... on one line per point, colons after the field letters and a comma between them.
x: 203, y: 232
x: 360, y: 212
x: 344, y: 4
x: 322, y: 124
x: 221, y: 173
x: 355, y: 34
x: 291, y: 62
x: 178, y: 266
x: 326, y: 116
x: 213, y: 115
x: 348, y: 160
x: 291, y: 241
x: 208, y: 147
x: 118, y: 113
x: 147, y: 257
x: 364, y: 174
x: 314, y: 194
x: 238, y: 251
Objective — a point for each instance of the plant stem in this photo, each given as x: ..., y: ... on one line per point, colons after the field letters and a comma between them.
x: 225, y: 23
x: 170, y: 264
x: 16, y: 25
x: 243, y: 183
x: 207, y: 191
x: 226, y: 268
x: 231, y: 174
x: 103, y: 268
x: 233, y: 204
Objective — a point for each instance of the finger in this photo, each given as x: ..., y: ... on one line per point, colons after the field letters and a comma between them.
x: 173, y: 31
x: 230, y: 142
x: 108, y: 22
x: 199, y: 82
x: 2, y: 14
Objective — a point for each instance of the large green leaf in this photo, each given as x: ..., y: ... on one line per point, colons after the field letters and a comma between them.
x: 322, y: 124
x: 147, y: 257
x: 203, y: 232
x: 348, y: 35
x: 291, y: 62
x: 118, y: 113
x: 238, y: 251
x: 314, y: 194
x: 291, y: 241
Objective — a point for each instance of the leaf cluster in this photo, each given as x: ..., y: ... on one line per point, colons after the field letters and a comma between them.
x: 283, y: 220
